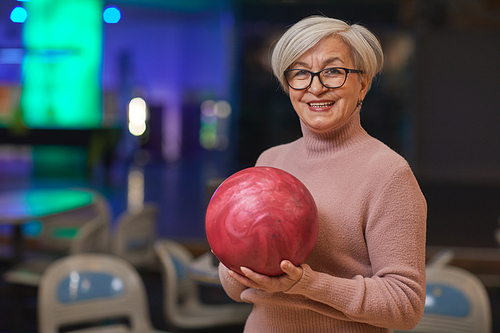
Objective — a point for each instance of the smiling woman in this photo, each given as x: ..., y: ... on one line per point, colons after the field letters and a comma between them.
x: 366, y: 272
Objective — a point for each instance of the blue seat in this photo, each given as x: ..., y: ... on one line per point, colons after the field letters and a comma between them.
x: 92, y: 293
x: 456, y: 300
x: 182, y: 305
x: 134, y: 237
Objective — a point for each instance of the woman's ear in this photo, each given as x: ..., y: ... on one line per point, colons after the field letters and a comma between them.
x: 365, y: 86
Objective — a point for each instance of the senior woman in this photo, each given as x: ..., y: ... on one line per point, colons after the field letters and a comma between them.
x: 367, y: 270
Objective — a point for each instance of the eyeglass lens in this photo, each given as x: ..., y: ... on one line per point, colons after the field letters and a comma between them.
x: 329, y: 77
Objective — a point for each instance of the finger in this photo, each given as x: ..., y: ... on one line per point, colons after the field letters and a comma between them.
x: 260, y: 281
x: 256, y: 277
x: 242, y: 279
x: 288, y: 268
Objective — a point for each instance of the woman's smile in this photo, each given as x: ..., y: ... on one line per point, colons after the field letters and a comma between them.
x: 320, y: 105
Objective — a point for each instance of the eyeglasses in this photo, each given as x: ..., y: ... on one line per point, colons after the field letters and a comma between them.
x: 332, y: 77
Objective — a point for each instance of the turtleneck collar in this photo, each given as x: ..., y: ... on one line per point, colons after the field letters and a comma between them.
x: 346, y: 135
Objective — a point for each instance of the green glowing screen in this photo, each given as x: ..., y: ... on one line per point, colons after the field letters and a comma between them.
x: 62, y: 65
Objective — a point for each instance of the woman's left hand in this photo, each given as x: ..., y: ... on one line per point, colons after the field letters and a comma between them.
x: 271, y: 284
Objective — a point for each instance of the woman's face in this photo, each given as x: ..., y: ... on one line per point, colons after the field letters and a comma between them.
x: 322, y: 109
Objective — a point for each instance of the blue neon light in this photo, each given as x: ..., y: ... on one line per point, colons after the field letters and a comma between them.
x: 18, y: 15
x: 111, y: 15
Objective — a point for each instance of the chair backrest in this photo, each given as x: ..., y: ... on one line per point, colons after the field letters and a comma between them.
x: 179, y: 288
x: 88, y: 290
x: 93, y: 236
x: 182, y: 305
x: 135, y: 235
x: 456, y: 300
x: 59, y: 231
x: 181, y: 302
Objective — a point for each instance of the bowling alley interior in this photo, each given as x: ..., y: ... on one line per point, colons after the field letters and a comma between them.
x: 120, y: 118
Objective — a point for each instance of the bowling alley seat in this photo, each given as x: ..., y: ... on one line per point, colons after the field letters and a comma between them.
x: 134, y: 237
x: 92, y: 293
x: 182, y: 305
x: 80, y: 231
x: 456, y: 300
x: 66, y: 233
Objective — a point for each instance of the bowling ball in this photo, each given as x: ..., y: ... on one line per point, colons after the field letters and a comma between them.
x: 260, y: 216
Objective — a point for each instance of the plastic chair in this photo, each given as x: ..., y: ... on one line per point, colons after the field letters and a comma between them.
x: 135, y: 236
x: 456, y: 300
x: 92, y: 293
x: 60, y: 232
x: 81, y: 231
x: 182, y: 306
x: 91, y: 237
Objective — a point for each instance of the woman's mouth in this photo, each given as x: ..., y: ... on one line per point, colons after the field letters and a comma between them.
x: 320, y: 104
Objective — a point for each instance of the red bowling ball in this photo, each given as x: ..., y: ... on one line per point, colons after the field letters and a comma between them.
x: 260, y: 216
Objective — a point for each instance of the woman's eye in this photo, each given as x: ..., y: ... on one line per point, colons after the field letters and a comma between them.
x: 301, y: 74
x: 332, y: 71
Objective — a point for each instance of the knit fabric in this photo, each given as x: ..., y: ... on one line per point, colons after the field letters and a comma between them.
x: 367, y: 270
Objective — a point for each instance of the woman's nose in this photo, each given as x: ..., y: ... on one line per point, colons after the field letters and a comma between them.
x: 316, y: 86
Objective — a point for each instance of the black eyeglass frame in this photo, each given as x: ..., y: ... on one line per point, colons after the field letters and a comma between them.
x: 313, y: 74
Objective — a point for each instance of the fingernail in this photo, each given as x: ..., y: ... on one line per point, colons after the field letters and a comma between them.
x: 244, y: 270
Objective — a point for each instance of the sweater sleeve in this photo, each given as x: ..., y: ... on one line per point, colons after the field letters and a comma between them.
x: 394, y: 296
x: 232, y: 287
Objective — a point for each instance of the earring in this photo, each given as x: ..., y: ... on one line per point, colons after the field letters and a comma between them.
x: 359, y: 103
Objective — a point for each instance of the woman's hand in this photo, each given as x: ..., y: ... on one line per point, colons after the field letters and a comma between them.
x: 271, y: 284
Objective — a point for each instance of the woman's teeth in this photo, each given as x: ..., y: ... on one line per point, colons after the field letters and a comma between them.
x: 321, y: 105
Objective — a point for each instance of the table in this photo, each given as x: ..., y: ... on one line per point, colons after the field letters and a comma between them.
x: 20, y: 206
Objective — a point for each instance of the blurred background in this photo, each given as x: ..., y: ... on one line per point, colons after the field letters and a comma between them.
x: 154, y: 100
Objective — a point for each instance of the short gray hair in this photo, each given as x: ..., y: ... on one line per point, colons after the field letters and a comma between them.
x: 305, y: 34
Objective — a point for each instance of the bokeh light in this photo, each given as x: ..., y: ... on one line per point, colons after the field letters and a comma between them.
x: 214, y: 129
x: 135, y: 188
x: 137, y: 116
x: 18, y: 15
x: 111, y: 15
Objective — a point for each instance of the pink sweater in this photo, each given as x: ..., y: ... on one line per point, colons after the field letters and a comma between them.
x: 367, y: 270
